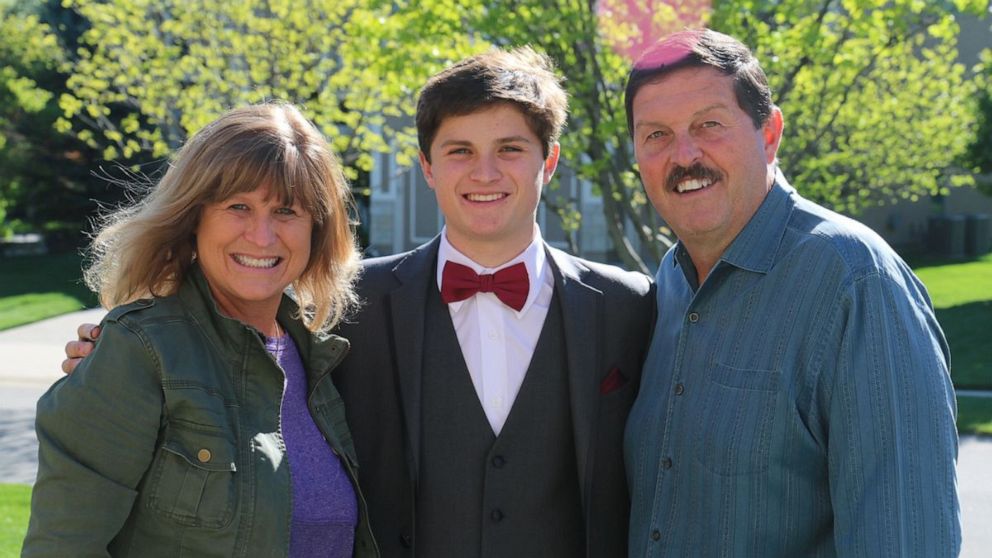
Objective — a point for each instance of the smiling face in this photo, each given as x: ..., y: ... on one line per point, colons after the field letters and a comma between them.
x: 251, y: 247
x: 704, y: 165
x: 487, y: 169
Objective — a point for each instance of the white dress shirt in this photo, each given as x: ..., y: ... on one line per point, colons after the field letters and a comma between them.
x: 497, y: 341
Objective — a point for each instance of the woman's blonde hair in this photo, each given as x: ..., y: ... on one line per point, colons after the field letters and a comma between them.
x: 146, y: 249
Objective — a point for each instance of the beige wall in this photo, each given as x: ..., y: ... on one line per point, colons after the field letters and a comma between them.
x: 904, y: 224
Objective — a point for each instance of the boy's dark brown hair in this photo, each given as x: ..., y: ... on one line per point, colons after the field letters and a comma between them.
x: 520, y: 77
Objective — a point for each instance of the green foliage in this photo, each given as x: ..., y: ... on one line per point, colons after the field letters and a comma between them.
x: 979, y: 153
x: 44, y: 176
x: 26, y: 51
x: 166, y: 68
x: 875, y: 106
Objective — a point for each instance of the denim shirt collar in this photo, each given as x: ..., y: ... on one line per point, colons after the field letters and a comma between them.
x: 756, y: 247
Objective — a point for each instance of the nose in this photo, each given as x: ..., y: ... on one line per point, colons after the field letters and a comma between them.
x: 261, y: 230
x: 486, y: 169
x: 686, y: 151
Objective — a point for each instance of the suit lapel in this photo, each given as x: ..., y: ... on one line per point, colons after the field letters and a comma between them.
x: 407, y: 304
x: 582, y: 317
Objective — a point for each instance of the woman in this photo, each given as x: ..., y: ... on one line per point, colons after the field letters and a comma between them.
x: 205, y: 422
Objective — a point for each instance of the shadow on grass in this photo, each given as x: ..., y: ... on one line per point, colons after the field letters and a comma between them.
x: 37, y: 287
x: 968, y: 328
x: 42, y: 274
x: 975, y: 415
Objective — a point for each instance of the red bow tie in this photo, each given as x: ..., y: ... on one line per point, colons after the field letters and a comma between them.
x: 510, y: 285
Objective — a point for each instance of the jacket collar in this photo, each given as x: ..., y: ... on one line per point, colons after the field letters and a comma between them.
x: 319, y: 357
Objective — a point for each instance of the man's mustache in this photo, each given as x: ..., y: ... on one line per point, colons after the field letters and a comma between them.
x: 696, y: 171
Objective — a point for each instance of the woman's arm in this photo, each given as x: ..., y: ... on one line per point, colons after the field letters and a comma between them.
x: 97, y: 431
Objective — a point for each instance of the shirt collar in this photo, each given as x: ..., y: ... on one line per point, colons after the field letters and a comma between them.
x: 756, y: 247
x: 534, y: 258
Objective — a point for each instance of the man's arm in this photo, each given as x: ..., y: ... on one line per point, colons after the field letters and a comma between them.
x: 76, y: 351
x: 892, y: 444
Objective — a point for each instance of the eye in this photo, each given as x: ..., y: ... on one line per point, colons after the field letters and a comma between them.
x: 655, y: 135
x: 238, y: 207
x: 511, y: 148
x: 458, y: 151
x: 711, y: 124
x: 288, y: 211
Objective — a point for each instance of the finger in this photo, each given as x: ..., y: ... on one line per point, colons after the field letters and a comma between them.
x: 88, y: 332
x: 78, y: 349
x: 69, y: 365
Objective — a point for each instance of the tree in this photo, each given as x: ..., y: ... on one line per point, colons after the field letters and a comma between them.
x: 979, y: 154
x: 170, y: 66
x: 875, y: 107
x: 45, y: 181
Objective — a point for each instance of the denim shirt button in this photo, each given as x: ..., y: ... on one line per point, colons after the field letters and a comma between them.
x: 693, y: 317
x: 656, y: 535
x: 666, y: 463
x: 679, y: 389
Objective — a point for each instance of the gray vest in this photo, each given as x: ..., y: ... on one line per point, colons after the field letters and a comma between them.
x: 479, y: 495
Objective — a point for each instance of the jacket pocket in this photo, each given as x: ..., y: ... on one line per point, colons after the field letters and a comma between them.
x: 738, y: 407
x: 193, y: 478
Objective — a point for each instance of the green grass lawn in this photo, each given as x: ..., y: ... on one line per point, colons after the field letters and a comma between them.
x: 975, y: 415
x: 15, y: 506
x: 33, y: 288
x: 962, y: 296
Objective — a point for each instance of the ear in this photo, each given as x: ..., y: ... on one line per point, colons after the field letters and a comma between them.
x: 551, y: 163
x: 771, y: 132
x: 425, y: 166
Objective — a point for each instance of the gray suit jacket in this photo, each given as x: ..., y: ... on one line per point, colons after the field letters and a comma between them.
x: 608, y: 315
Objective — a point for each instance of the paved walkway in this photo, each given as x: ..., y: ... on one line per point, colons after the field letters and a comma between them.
x: 30, y: 358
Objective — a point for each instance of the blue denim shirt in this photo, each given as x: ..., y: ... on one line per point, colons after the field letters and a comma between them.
x: 797, y: 403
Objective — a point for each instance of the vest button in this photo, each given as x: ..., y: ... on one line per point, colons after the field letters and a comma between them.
x: 498, y: 461
x: 406, y: 540
x: 496, y: 515
x: 204, y: 455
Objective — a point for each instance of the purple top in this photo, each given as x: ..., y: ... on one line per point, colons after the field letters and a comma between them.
x: 325, y: 510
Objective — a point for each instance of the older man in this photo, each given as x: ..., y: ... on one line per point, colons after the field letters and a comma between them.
x: 796, y: 398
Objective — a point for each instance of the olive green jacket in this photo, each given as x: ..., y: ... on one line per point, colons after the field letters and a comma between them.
x: 166, y: 440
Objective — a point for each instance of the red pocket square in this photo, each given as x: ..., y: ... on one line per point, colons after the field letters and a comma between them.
x: 612, y: 382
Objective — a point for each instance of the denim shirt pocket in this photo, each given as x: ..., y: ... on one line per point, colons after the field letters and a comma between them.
x: 736, y: 411
x: 193, y: 477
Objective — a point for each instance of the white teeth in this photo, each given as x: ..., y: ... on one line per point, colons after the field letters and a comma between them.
x: 484, y: 197
x: 255, y: 262
x: 693, y: 184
